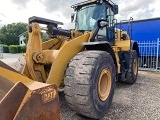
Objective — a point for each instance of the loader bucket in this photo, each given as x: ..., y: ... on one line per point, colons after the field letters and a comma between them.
x: 27, y: 100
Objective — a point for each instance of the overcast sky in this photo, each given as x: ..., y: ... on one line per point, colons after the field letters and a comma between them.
x: 60, y: 10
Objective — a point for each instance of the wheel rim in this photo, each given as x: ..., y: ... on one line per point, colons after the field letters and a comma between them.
x: 104, y: 84
x: 135, y: 66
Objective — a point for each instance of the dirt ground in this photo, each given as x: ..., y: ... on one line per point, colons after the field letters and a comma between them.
x: 140, y: 101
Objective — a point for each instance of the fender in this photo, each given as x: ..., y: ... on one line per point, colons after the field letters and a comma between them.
x: 134, y: 46
x: 101, y: 45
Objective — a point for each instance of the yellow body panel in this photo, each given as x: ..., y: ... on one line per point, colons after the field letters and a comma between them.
x: 66, y: 53
x: 120, y: 45
x: 83, y: 3
x: 124, y: 45
x: 52, y: 44
x: 116, y: 50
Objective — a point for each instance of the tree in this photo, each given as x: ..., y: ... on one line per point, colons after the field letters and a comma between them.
x: 44, y: 37
x: 9, y: 34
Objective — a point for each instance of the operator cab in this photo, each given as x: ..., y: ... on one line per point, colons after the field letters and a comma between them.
x: 90, y: 12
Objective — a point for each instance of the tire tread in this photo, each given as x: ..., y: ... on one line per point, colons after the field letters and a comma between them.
x: 77, y: 82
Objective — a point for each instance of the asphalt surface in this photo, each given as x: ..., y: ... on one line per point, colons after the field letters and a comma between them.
x: 140, y: 101
x: 10, y: 59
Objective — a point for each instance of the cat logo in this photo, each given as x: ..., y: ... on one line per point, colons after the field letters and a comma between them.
x: 48, y: 96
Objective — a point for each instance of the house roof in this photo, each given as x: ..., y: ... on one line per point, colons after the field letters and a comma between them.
x: 22, y: 34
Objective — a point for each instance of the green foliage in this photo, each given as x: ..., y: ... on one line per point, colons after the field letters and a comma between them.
x: 23, y: 49
x: 17, y: 49
x: 13, y: 49
x: 26, y: 38
x: 2, y: 37
x: 5, y: 48
x: 44, y: 37
x: 9, y: 34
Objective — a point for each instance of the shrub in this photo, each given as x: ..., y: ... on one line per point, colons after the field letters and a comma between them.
x: 23, y: 49
x: 19, y: 48
x: 13, y: 49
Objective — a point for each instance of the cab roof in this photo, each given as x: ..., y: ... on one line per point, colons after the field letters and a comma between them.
x: 90, y: 1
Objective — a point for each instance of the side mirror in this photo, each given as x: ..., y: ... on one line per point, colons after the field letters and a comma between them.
x: 102, y: 23
x: 115, y: 9
x: 73, y: 17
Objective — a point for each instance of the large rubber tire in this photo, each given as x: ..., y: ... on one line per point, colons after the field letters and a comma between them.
x: 90, y: 83
x: 133, y: 68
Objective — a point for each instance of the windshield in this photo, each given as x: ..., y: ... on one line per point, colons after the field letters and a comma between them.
x: 88, y: 16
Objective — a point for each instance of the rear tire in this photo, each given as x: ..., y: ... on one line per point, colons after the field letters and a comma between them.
x: 90, y: 82
x: 133, y: 68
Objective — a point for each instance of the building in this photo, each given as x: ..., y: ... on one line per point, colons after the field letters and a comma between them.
x: 21, y: 39
x: 146, y: 29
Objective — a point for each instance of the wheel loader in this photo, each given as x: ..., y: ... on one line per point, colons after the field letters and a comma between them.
x: 85, y: 62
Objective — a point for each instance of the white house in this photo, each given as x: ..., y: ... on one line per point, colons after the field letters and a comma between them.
x: 21, y: 39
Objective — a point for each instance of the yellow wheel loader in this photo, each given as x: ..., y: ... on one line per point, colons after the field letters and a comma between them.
x: 85, y: 62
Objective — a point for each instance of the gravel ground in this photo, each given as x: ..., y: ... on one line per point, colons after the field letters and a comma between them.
x: 140, y: 101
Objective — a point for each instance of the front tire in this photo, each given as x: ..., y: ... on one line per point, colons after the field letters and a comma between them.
x: 90, y: 82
